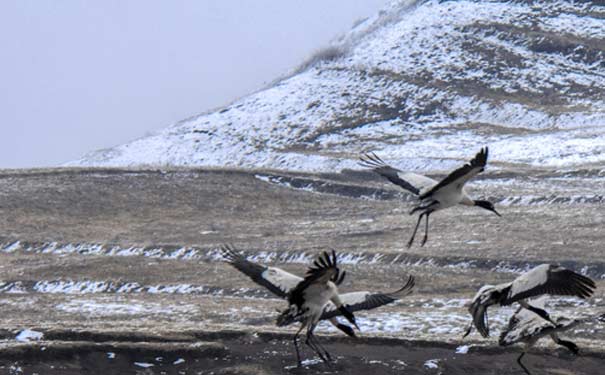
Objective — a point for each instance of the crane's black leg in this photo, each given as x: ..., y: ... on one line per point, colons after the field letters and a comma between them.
x: 415, y: 230
x: 521, y: 364
x: 317, y: 349
x: 311, y: 343
x: 296, y: 345
x: 320, y: 346
x: 426, y: 230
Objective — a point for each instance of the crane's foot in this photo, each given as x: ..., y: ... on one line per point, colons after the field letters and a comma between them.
x: 424, y: 239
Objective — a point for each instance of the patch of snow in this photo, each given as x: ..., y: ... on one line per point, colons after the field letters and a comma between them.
x: 71, y: 287
x: 143, y: 364
x: 310, y: 362
x: 463, y: 349
x: 29, y: 335
x: 127, y: 308
x: 111, y: 355
x: 432, y: 364
x: 306, y: 363
x: 16, y: 287
x: 12, y: 247
x: 178, y: 361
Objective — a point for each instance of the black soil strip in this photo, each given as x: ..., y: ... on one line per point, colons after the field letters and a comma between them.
x: 237, y: 352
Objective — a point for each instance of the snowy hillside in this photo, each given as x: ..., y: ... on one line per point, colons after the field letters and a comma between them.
x: 423, y: 83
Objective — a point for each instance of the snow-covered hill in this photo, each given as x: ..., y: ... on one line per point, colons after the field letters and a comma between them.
x: 424, y: 84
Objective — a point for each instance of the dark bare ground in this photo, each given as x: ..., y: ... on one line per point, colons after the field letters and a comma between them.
x: 203, y: 209
x: 241, y: 353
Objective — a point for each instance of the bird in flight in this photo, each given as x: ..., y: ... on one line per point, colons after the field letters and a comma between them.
x: 434, y: 195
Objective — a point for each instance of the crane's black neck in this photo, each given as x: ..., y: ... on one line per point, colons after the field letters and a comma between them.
x: 347, y: 314
x: 486, y: 205
x: 569, y: 345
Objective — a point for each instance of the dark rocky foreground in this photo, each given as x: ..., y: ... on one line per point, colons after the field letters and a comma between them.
x: 232, y: 352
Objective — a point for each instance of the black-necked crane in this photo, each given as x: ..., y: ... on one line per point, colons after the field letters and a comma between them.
x: 309, y: 298
x: 434, y: 195
x: 543, y: 279
x: 280, y: 283
x: 525, y: 326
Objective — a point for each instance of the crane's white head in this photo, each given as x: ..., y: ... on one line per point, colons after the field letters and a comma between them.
x: 484, y: 294
x: 485, y: 297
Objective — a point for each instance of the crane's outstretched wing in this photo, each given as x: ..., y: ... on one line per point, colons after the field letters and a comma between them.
x: 278, y: 281
x: 324, y: 269
x: 412, y: 182
x: 549, y: 279
x: 461, y: 175
x: 358, y: 301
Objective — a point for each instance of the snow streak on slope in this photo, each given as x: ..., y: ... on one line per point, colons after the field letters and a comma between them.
x: 423, y: 83
x: 594, y: 269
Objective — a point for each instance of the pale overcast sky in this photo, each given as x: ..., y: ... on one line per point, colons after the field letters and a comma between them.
x: 76, y: 76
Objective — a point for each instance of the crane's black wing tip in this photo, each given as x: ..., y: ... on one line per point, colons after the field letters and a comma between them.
x: 372, y: 161
x: 229, y: 252
x: 407, y: 288
x: 580, y: 285
x: 587, y: 281
x: 480, y: 160
x: 324, y: 261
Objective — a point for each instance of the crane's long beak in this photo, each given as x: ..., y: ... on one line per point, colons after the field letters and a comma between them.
x: 468, y: 330
x: 487, y: 205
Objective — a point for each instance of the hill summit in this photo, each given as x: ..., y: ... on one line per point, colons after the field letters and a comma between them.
x: 423, y: 83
